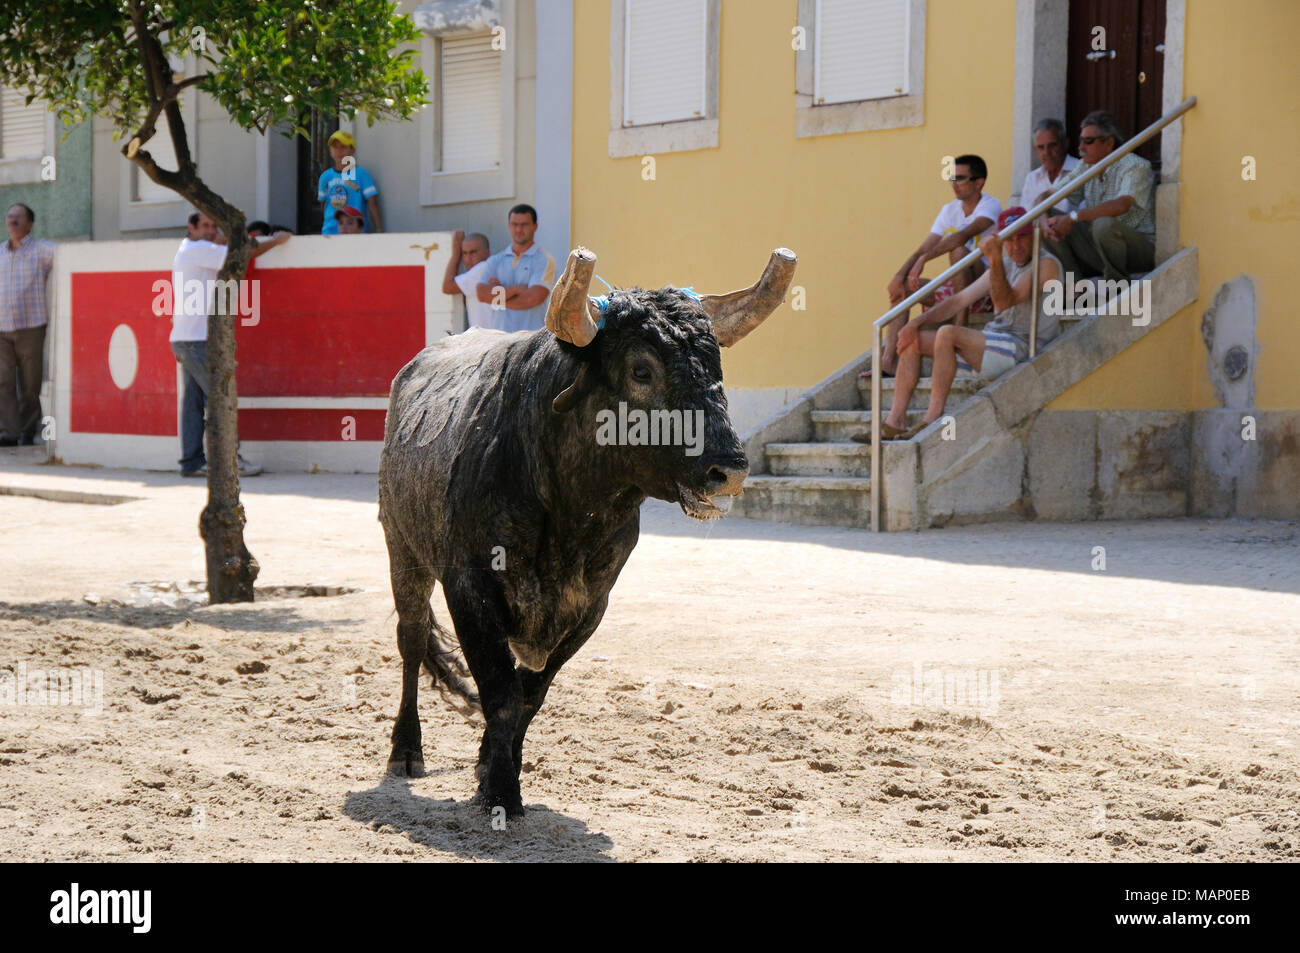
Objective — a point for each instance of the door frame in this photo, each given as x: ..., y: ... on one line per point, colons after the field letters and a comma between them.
x: 1040, y: 71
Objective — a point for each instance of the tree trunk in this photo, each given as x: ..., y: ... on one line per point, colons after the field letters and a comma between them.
x: 232, y: 569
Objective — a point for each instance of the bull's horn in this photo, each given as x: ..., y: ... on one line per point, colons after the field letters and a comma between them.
x: 571, y: 316
x: 736, y: 314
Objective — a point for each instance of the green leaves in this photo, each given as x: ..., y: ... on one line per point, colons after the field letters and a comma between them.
x: 262, y: 61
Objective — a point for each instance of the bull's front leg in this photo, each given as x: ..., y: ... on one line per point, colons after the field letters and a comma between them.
x: 481, y: 627
x: 535, y: 685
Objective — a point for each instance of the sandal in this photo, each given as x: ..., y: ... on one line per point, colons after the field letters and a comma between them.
x: 887, y: 432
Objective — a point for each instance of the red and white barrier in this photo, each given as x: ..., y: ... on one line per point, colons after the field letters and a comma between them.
x: 338, y: 316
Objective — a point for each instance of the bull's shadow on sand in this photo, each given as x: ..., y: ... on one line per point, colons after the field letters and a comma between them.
x: 277, y: 617
x: 463, y: 829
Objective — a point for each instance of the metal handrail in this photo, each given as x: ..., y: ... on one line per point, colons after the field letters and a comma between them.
x: 906, y: 304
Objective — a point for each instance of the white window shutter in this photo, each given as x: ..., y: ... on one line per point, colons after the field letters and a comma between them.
x: 471, y: 103
x: 860, y: 50
x: 22, y: 127
x: 665, y: 47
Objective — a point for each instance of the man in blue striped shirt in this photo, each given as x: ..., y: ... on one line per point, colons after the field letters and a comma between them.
x: 25, y: 264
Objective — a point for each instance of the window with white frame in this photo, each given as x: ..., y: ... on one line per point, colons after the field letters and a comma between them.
x: 860, y: 50
x: 22, y: 127
x: 467, y: 132
x: 469, y: 103
x: 860, y: 66
x: 663, y: 76
x: 664, y: 61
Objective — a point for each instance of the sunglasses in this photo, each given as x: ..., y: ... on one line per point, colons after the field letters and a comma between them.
x: 1089, y: 140
x: 962, y: 178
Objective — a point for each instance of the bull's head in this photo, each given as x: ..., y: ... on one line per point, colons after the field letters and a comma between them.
x: 651, y: 358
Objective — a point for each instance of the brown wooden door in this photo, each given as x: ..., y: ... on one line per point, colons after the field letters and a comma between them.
x: 1125, y: 75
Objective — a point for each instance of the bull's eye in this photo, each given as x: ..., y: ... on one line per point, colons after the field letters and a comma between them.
x: 642, y: 374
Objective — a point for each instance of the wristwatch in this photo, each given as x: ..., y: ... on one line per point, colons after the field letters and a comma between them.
x: 1074, y: 215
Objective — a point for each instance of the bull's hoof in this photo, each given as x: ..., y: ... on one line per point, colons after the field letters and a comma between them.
x: 406, y: 766
x: 489, y: 802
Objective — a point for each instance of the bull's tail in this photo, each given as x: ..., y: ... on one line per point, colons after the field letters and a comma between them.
x: 451, y: 675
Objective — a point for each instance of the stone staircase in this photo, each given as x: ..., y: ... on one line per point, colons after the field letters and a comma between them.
x: 826, y: 480
x: 805, y: 469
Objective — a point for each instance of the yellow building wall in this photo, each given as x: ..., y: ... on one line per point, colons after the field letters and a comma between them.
x: 852, y: 206
x: 1244, y: 72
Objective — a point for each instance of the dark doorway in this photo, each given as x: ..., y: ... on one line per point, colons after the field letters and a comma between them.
x: 313, y: 159
x: 1124, y: 76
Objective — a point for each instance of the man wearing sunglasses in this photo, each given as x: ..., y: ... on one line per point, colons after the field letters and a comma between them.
x: 1113, y: 231
x: 956, y: 231
x: 984, y: 354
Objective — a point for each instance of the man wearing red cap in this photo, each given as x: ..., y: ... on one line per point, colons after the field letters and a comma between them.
x: 985, y: 354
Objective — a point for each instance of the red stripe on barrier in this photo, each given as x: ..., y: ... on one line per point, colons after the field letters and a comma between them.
x: 340, y: 426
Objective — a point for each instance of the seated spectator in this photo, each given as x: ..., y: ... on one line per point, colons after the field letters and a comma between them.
x: 986, y: 354
x: 955, y: 232
x: 1113, y: 231
x: 1053, y: 148
x: 472, y: 251
x: 342, y: 186
x: 350, y: 221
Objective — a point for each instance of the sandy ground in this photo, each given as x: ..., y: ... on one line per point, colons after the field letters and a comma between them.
x: 756, y: 692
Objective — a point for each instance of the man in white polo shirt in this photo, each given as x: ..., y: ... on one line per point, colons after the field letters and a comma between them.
x: 1055, y: 163
x: 200, y: 257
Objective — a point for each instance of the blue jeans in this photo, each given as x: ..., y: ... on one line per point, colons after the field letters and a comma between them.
x: 193, y: 358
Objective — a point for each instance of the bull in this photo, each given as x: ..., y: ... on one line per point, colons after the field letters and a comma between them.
x: 493, y: 483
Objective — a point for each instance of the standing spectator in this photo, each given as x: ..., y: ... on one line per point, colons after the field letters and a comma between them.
x: 524, y: 273
x: 351, y: 221
x: 957, y: 230
x: 199, y: 258
x: 25, y: 264
x: 1113, y: 231
x: 340, y: 187
x: 1053, y: 148
x: 471, y: 251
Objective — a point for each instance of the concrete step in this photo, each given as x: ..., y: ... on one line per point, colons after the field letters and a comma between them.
x: 960, y: 390
x: 813, y: 501
x: 837, y: 426
x: 819, y: 459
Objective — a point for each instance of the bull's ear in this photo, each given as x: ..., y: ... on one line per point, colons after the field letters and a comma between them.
x: 735, y: 314
x: 569, y: 397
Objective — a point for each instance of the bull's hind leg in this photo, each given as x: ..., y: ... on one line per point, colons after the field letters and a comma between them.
x: 412, y: 586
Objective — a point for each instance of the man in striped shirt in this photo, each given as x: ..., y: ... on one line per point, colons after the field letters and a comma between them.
x: 25, y: 264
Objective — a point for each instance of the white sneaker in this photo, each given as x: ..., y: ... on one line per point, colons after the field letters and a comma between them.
x: 247, y: 469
